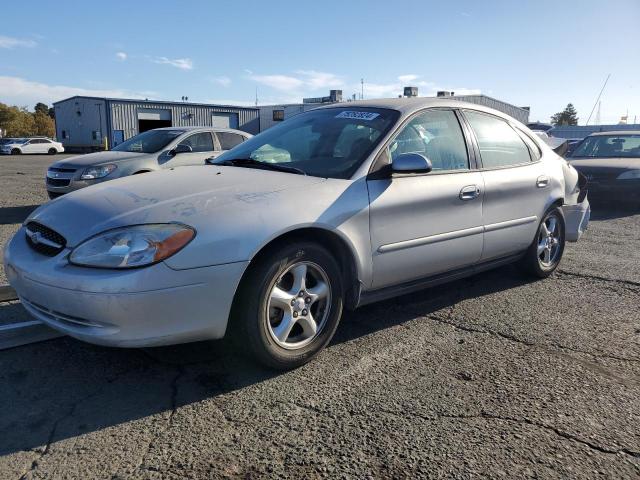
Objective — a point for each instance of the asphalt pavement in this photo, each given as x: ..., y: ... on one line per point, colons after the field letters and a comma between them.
x: 494, y: 376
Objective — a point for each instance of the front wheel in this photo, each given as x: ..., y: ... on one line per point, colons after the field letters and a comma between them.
x: 289, y: 305
x: 545, y: 252
x: 16, y: 151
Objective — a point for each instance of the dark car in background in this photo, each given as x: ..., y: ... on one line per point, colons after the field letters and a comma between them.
x: 611, y: 163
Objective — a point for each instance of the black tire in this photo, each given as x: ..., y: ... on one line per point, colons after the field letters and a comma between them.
x: 52, y: 151
x: 15, y: 151
x: 251, y: 326
x: 533, y: 263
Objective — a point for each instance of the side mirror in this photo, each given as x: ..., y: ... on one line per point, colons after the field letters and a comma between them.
x: 411, y: 163
x: 182, y: 148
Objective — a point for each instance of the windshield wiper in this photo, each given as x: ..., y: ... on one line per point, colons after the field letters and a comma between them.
x: 251, y: 163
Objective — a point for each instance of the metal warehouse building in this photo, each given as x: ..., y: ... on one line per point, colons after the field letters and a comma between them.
x: 84, y: 123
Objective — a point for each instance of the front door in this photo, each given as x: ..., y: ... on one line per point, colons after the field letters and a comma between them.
x: 516, y: 187
x: 426, y: 224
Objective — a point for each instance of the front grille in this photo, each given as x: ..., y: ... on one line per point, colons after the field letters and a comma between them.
x: 44, y: 240
x: 58, y: 182
x: 62, y: 170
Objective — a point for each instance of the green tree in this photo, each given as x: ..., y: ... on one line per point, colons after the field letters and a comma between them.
x: 44, y: 125
x: 569, y: 116
x: 41, y: 108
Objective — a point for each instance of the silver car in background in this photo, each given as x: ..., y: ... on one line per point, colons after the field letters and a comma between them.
x: 334, y: 208
x: 151, y: 150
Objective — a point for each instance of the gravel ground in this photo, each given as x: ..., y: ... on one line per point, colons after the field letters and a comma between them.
x: 492, y: 376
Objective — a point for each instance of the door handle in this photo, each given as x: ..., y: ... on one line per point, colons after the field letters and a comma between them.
x: 542, y: 181
x: 469, y: 192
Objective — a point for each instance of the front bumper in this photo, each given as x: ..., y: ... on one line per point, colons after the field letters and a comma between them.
x: 123, y: 308
x: 576, y: 219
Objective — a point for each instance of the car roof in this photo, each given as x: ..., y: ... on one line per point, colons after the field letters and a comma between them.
x: 209, y: 129
x: 408, y: 106
x: 616, y: 132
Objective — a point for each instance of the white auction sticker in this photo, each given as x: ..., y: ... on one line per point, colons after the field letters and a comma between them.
x: 357, y: 115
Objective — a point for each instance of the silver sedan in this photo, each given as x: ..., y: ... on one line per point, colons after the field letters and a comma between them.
x: 335, y: 208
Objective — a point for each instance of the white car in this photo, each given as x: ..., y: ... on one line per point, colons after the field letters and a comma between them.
x: 32, y: 145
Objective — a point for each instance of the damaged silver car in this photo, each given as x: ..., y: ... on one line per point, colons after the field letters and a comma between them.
x: 334, y: 208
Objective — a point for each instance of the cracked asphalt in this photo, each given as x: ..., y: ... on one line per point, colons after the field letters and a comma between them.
x: 494, y: 376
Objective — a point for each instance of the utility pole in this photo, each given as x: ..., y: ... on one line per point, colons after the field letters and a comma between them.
x: 256, y: 96
x: 362, y: 89
x: 598, y: 99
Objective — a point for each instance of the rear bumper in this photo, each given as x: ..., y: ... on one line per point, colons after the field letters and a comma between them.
x: 576, y: 219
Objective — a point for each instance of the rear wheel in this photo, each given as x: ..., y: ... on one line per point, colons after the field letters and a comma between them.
x: 15, y: 151
x: 289, y: 305
x: 52, y: 151
x: 545, y: 252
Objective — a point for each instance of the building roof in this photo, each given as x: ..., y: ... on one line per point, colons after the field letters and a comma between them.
x: 155, y: 102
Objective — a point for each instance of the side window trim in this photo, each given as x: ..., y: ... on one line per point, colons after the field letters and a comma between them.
x: 382, y: 161
x: 481, y: 167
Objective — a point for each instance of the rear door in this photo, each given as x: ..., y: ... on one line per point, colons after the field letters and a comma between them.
x: 425, y: 224
x: 516, y: 187
x: 202, y: 147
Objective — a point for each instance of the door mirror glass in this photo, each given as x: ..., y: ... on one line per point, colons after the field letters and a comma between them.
x: 411, y: 163
x: 182, y: 148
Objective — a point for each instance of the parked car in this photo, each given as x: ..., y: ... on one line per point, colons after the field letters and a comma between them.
x: 367, y: 200
x: 157, y: 149
x: 611, y: 163
x: 539, y: 126
x: 31, y: 145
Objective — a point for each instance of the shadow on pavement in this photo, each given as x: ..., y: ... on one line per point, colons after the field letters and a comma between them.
x: 11, y: 215
x: 65, y: 388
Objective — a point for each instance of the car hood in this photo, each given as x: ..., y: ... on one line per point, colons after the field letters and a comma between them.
x: 96, y: 159
x: 12, y: 145
x: 189, y: 195
x: 605, y: 163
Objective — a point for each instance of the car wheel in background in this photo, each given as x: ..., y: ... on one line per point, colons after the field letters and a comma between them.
x: 52, y: 151
x: 289, y: 305
x: 545, y: 252
x: 15, y: 151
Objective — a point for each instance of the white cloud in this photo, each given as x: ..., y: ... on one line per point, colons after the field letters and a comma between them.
x: 319, y: 80
x: 222, y: 81
x: 181, y: 63
x: 18, y: 91
x: 307, y: 80
x: 279, y: 82
x: 408, y: 78
x: 11, y: 42
x: 121, y: 56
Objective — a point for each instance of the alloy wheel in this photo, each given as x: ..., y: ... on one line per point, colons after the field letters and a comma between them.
x: 298, y: 305
x: 549, y: 241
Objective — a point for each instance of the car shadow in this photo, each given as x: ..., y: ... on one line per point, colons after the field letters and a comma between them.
x: 11, y: 215
x: 64, y: 388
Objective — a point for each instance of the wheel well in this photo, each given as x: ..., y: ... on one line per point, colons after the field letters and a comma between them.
x: 140, y: 171
x: 333, y: 243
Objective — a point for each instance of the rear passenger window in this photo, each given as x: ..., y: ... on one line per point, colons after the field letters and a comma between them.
x: 229, y: 140
x: 437, y: 135
x: 199, y: 142
x: 499, y: 144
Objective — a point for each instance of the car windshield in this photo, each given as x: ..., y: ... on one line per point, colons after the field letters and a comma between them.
x: 150, y: 141
x: 328, y: 142
x: 609, y: 146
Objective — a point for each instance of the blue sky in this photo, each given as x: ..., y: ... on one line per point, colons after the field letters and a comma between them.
x: 540, y: 53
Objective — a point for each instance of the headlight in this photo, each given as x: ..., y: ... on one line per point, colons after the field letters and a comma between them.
x: 100, y: 171
x: 130, y: 247
x: 630, y: 175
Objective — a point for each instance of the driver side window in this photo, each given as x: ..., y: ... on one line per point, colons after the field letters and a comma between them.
x: 437, y: 135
